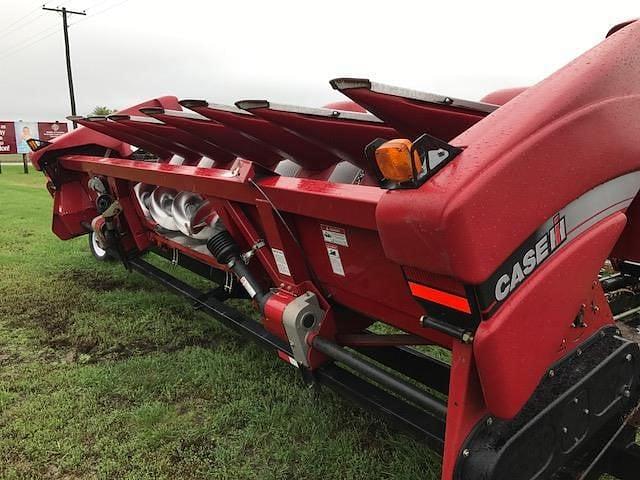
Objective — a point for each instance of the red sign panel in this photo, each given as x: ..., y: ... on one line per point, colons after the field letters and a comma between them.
x: 50, y: 130
x: 7, y: 138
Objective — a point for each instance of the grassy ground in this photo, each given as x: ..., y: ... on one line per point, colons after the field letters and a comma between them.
x: 103, y: 374
x: 11, y: 159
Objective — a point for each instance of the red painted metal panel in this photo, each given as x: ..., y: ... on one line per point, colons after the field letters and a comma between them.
x: 542, y: 310
x: 465, y: 406
x: 191, y: 146
x: 124, y: 134
x: 411, y: 116
x: 310, y: 156
x: 345, y: 137
x: 343, y: 203
x: 72, y: 205
x: 224, y: 137
x: 165, y: 144
x: 500, y: 97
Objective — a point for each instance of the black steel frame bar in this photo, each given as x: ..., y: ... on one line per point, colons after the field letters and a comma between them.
x: 429, y: 371
x: 385, y: 379
x: 418, y: 423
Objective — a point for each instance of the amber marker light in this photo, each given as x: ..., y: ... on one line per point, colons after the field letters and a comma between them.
x: 394, y: 160
x: 35, y: 144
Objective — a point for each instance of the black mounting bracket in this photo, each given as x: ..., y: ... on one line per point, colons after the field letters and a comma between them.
x: 433, y: 152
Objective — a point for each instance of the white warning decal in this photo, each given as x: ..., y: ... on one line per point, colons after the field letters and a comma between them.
x: 247, y: 286
x: 334, y: 235
x: 281, y: 262
x: 336, y: 262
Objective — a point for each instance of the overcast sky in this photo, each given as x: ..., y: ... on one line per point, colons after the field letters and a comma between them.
x: 125, y: 51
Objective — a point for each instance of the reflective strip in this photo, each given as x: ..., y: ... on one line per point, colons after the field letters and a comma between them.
x: 283, y: 356
x: 438, y: 296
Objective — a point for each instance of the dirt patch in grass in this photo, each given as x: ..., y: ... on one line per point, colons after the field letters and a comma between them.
x: 134, y: 349
x: 94, y: 280
x: 72, y: 317
x: 51, y: 313
x: 101, y: 279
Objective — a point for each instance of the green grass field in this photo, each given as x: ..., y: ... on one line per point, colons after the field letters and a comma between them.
x: 11, y: 159
x: 103, y: 374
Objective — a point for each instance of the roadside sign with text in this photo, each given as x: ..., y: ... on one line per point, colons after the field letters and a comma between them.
x: 50, y: 130
x: 14, y: 135
x: 7, y: 138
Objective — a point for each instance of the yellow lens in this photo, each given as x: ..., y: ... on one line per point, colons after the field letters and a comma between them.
x: 394, y: 160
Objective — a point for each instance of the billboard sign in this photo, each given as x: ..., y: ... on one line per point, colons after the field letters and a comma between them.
x: 7, y: 137
x: 50, y: 130
x: 24, y: 131
x: 14, y: 135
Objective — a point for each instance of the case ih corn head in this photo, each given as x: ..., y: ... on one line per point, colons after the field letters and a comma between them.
x: 505, y: 231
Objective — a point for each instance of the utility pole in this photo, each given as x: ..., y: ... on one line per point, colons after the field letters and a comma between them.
x: 65, y: 28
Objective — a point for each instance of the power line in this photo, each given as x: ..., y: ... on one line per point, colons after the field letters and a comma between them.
x: 28, y: 14
x: 82, y: 5
x: 109, y: 8
x: 99, y: 12
x: 72, y: 3
x: 98, y: 3
x: 17, y: 25
x: 48, y: 32
x: 34, y: 39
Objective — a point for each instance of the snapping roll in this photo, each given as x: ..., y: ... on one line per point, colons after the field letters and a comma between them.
x: 184, y: 212
x: 160, y: 208
x: 143, y: 194
x: 193, y: 215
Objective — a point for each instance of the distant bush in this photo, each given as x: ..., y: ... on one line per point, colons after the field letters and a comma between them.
x: 102, y: 111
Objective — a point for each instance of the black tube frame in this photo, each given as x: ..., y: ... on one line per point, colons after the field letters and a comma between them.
x: 391, y: 382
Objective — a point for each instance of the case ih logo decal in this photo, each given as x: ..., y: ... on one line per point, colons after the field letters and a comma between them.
x: 551, y: 237
x: 542, y: 248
